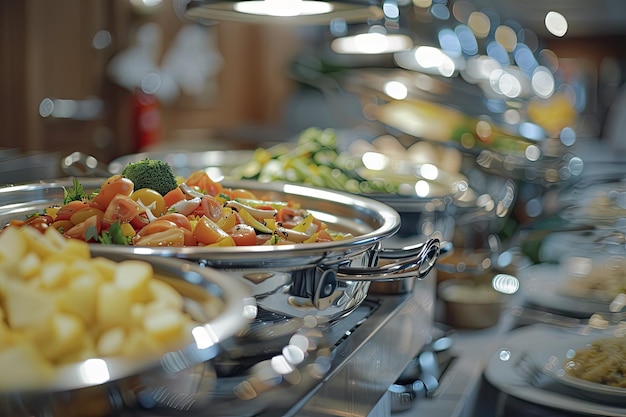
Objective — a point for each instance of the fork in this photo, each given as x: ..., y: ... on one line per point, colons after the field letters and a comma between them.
x: 531, y: 372
x: 541, y: 377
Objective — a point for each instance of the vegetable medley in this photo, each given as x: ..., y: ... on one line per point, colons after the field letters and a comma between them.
x: 195, y: 211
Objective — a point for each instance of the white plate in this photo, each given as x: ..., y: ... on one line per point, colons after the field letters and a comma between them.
x: 551, y: 356
x: 597, y: 204
x: 538, y: 340
x: 592, y: 390
x: 541, y: 285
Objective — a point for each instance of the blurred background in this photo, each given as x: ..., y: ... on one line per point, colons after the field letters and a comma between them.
x: 71, y: 72
x: 496, y: 125
x: 519, y: 91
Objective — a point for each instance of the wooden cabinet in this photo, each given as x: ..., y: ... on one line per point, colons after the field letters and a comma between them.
x: 59, y: 51
x: 47, y: 53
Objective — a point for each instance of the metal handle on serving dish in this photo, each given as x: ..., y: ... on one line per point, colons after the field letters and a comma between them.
x: 412, y: 262
x: 80, y: 164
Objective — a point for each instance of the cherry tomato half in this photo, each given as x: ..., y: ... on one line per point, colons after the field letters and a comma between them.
x: 240, y: 193
x: 79, y: 231
x: 83, y: 214
x: 156, y: 226
x: 177, y: 218
x: 208, y: 232
x: 323, y: 236
x: 204, y: 183
x: 121, y: 209
x: 210, y: 208
x: 113, y: 186
x: 173, y: 236
x: 139, y: 221
x: 65, y: 212
x: 288, y: 217
x: 243, y: 235
x: 40, y: 223
x: 62, y: 225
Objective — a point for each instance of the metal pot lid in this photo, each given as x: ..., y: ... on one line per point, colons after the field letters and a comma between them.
x: 368, y: 220
x: 452, y: 111
x: 218, y: 164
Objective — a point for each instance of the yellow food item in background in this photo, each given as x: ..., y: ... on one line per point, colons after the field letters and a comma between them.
x: 553, y: 114
x: 601, y: 361
x: 59, y: 305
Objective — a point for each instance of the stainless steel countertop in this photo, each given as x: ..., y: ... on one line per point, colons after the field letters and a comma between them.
x: 366, y: 363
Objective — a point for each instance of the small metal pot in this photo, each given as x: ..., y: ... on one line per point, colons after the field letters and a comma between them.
x: 326, y: 279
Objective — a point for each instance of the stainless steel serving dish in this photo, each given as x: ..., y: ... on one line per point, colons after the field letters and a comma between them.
x: 326, y: 279
x: 452, y: 201
x: 222, y: 308
x: 218, y: 164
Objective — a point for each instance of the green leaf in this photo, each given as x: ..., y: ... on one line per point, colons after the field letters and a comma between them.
x: 105, y: 238
x: 114, y: 236
x: 76, y: 193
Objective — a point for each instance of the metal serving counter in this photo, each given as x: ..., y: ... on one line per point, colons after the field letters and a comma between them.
x: 368, y: 358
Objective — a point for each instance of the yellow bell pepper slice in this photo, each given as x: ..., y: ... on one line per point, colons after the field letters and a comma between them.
x: 304, y: 224
x: 250, y: 220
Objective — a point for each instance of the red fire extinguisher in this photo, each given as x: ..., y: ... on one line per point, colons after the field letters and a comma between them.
x: 146, y: 120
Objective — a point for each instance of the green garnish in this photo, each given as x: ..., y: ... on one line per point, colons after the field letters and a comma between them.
x: 114, y: 236
x: 76, y: 193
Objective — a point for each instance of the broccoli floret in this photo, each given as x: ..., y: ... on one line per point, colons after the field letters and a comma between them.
x: 151, y: 173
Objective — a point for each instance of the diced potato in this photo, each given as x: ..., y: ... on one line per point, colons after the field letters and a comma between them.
x: 66, y: 338
x: 38, y: 244
x: 78, y: 249
x: 39, y: 333
x: 7, y: 335
x: 29, y: 266
x: 73, y: 251
x: 139, y: 344
x: 80, y: 298
x: 59, y: 305
x: 13, y: 244
x: 86, y: 350
x: 83, y: 267
x: 24, y: 306
x: 106, y: 267
x: 137, y: 313
x: 23, y: 367
x: 54, y: 274
x: 111, y: 342
x: 133, y: 277
x: 112, y: 306
x: 165, y: 295
x: 165, y: 324
x: 56, y: 239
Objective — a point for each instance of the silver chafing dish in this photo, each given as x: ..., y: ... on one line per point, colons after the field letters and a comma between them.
x: 326, y: 280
